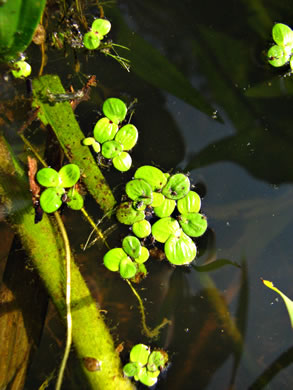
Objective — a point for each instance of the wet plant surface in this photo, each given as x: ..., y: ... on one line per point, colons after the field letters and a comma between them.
x: 210, y: 105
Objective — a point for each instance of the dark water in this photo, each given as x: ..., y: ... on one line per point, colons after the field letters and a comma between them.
x: 208, y: 104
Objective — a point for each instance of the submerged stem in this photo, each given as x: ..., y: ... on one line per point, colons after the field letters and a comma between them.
x: 151, y: 333
x: 67, y: 299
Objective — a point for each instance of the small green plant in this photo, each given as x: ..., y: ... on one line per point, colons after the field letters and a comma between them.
x: 281, y: 53
x: 56, y: 182
x: 175, y: 208
x: 129, y: 259
x: 145, y: 366
x: 114, y: 143
x: 21, y: 69
x: 100, y: 28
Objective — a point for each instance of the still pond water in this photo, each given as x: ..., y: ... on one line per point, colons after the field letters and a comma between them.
x: 208, y: 104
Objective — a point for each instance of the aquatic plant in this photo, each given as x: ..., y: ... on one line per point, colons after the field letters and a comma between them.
x: 173, y: 205
x: 281, y: 53
x: 145, y: 366
x: 55, y: 194
x: 21, y: 69
x: 114, y: 143
x: 100, y: 28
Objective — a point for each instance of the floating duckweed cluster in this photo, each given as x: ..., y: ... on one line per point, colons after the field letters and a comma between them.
x: 145, y: 366
x: 175, y: 209
x: 281, y: 53
x: 100, y: 28
x: 56, y: 182
x: 111, y: 141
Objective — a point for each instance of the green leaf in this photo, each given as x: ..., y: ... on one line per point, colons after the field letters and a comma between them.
x: 105, y: 130
x: 127, y: 268
x: 140, y: 354
x: 18, y: 21
x: 193, y: 224
x: 288, y: 302
x: 88, y: 141
x: 139, y: 190
x: 180, y: 249
x: 50, y: 199
x: 91, y: 40
x: 113, y: 258
x: 282, y: 34
x: 177, y: 186
x: 131, y: 369
x: 111, y: 149
x: 127, y: 136
x: 48, y: 177
x: 166, y: 208
x: 152, y: 175
x: 142, y: 228
x: 96, y: 147
x: 131, y: 246
x: 75, y: 201
x: 69, y: 175
x: 146, y: 378
x: 277, y: 56
x: 21, y: 69
x: 101, y: 26
x: 191, y: 203
x: 145, y: 254
x: 164, y: 228
x: 127, y: 215
x: 156, y: 361
x: 158, y: 199
x: 115, y: 109
x: 122, y: 162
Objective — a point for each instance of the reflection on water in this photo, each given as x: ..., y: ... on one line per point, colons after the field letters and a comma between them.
x: 226, y: 327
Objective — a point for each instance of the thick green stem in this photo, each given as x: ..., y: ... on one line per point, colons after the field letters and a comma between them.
x: 44, y: 245
x: 59, y: 115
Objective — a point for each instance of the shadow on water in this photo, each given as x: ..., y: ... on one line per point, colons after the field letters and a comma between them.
x: 207, y: 103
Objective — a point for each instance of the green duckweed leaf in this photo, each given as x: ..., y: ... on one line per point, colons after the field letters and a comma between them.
x: 140, y: 354
x: 180, y: 249
x: 152, y: 175
x: 282, y: 34
x: 191, y: 203
x: 21, y: 69
x: 113, y: 258
x: 96, y: 147
x: 131, y: 369
x: 291, y: 63
x: 88, y: 141
x: 131, y: 246
x: 146, y: 377
x: 127, y: 215
x: 145, y: 254
x: 75, y: 200
x: 50, y: 199
x: 193, y: 224
x: 166, y: 208
x: 48, y: 177
x: 111, y: 149
x: 277, y: 56
x: 101, y: 27
x: 139, y: 190
x: 156, y: 360
x: 122, y: 162
x: 158, y: 199
x: 105, y: 130
x: 69, y: 175
x: 288, y: 302
x: 142, y: 228
x: 127, y: 136
x: 127, y: 268
x: 115, y: 109
x: 177, y: 186
x: 164, y: 228
x: 91, y: 40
